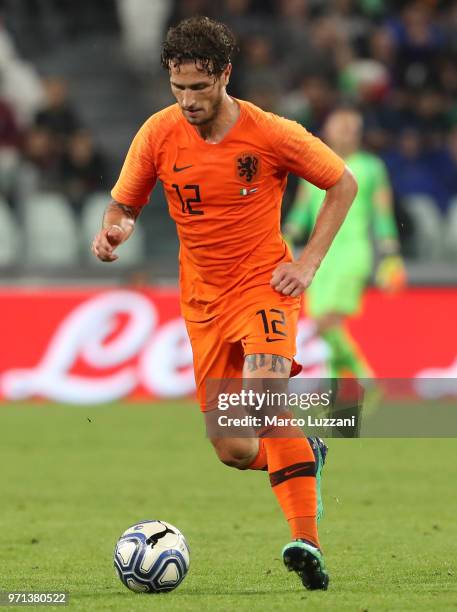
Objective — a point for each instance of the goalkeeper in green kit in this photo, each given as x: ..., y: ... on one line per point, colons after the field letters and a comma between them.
x: 337, y: 289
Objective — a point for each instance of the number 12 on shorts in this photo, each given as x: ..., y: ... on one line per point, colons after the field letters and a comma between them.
x: 272, y: 320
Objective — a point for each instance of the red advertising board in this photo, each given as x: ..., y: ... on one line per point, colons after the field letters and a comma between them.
x: 88, y: 346
x: 404, y: 335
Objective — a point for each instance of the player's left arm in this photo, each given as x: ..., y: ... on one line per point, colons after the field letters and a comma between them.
x: 293, y: 278
x: 390, y: 274
x: 298, y: 151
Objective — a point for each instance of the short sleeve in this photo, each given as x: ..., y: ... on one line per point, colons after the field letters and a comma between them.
x: 301, y: 153
x: 138, y: 175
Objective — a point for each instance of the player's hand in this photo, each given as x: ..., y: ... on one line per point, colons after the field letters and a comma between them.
x: 106, y: 241
x: 292, y: 278
x: 391, y: 274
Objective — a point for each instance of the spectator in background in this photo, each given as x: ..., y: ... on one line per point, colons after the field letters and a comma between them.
x: 182, y: 9
x: 237, y: 15
x: 365, y: 81
x: 20, y: 84
x: 449, y: 25
x: 443, y: 164
x: 311, y: 102
x: 255, y: 30
x: 419, y: 39
x: 57, y: 116
x: 304, y: 46
x: 292, y: 36
x: 261, y: 82
x: 448, y: 84
x: 82, y: 169
x: 430, y: 116
x: 327, y: 43
x: 39, y: 169
x: 410, y: 170
x: 382, y: 48
x: 9, y: 131
x: 351, y: 21
x: 380, y: 101
x: 10, y: 140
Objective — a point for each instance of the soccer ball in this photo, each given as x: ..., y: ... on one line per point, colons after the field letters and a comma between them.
x: 151, y: 557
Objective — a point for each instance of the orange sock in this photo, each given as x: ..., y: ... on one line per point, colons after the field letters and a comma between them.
x: 260, y: 461
x: 292, y: 476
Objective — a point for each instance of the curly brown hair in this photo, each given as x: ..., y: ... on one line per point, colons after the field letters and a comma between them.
x: 201, y: 39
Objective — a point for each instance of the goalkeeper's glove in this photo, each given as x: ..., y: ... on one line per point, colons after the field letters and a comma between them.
x: 391, y: 274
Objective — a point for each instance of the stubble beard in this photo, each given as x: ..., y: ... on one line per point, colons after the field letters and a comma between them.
x: 213, y: 113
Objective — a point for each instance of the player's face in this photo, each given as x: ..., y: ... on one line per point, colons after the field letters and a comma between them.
x: 343, y: 131
x: 198, y: 94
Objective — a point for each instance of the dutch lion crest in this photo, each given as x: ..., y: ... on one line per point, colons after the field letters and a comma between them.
x: 247, y: 166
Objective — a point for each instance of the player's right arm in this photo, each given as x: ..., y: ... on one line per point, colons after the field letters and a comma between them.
x: 130, y: 194
x: 390, y: 273
x: 384, y: 224
x: 118, y: 225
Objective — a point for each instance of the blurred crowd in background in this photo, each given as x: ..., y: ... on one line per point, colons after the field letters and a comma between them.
x: 397, y: 61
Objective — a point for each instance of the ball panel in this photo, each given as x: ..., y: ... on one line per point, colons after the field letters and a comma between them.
x: 170, y: 575
x: 125, y: 551
x: 136, y: 586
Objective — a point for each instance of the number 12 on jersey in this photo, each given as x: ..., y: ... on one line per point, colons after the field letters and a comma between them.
x: 187, y: 201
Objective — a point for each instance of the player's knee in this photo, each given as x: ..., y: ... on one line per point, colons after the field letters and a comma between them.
x: 232, y: 461
x: 236, y: 453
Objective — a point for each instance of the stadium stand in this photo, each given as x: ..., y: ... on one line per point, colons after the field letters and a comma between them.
x: 450, y: 237
x: 396, y: 61
x: 428, y: 227
x: 51, y: 234
x: 11, y: 242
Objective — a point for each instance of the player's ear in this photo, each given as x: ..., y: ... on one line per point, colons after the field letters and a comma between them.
x: 226, y: 74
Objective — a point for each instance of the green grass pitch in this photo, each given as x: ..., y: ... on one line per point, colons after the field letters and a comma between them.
x: 72, y: 479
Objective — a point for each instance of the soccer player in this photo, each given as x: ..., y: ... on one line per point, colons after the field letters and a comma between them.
x: 223, y: 164
x: 337, y: 289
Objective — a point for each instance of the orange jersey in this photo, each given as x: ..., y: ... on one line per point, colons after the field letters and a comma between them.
x: 225, y: 198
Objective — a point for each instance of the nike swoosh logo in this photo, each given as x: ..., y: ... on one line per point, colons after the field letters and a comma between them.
x: 273, y: 339
x: 292, y: 472
x: 176, y: 169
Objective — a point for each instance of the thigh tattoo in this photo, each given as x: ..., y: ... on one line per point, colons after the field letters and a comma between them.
x: 259, y: 360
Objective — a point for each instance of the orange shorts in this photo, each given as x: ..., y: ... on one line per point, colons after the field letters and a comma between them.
x: 264, y: 323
